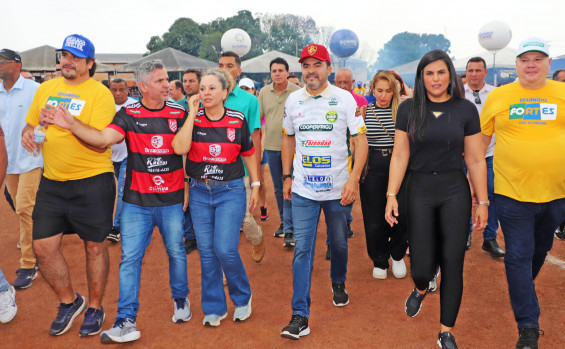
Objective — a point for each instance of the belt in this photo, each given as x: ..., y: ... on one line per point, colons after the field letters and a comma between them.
x: 209, y: 182
x: 382, y: 151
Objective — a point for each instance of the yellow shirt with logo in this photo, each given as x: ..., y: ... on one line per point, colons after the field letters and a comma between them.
x: 65, y: 158
x: 529, y: 157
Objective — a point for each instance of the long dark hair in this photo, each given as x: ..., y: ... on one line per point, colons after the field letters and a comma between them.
x: 417, y: 120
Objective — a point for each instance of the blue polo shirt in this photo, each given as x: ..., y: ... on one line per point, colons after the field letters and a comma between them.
x: 248, y: 104
x: 13, y: 110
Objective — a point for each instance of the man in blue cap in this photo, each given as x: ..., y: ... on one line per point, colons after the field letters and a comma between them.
x: 77, y: 190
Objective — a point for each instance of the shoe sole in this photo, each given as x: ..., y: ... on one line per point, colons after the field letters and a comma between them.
x: 113, y: 239
x: 29, y: 284
x: 77, y: 313
x: 380, y: 277
x: 130, y: 337
x: 288, y: 244
x: 178, y: 321
x: 304, y: 332
x: 217, y: 322
x: 83, y: 334
x: 263, y: 219
x: 246, y: 316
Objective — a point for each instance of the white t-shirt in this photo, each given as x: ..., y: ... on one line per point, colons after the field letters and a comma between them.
x: 120, y: 150
x: 483, y: 93
x: 319, y: 125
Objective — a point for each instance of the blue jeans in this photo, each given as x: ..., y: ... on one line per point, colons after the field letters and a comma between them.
x: 120, y: 173
x: 284, y: 206
x: 528, y: 235
x: 305, y: 213
x: 138, y: 223
x: 349, y: 220
x: 4, y: 285
x: 492, y: 222
x: 187, y: 226
x: 218, y: 214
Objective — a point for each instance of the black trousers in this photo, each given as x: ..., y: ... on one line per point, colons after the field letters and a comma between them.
x: 438, y: 210
x: 383, y: 241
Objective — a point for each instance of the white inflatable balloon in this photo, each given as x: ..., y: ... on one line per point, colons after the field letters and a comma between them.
x: 236, y: 40
x: 494, y: 36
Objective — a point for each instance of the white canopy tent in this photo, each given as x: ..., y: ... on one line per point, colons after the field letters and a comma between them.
x: 260, y: 64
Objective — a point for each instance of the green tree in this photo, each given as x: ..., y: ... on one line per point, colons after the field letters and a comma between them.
x: 211, y: 48
x: 286, y: 39
x: 406, y: 47
x: 184, y: 35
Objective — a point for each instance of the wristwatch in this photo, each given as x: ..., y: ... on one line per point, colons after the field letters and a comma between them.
x: 285, y: 176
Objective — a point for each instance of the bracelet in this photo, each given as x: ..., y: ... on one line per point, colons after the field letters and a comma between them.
x: 485, y: 203
x: 255, y: 184
x: 390, y: 194
x: 285, y: 176
x: 186, y: 179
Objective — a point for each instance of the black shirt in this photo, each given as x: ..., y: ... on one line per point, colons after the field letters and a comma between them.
x: 439, y: 147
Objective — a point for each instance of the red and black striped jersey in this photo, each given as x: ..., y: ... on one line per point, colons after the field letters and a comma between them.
x: 154, y: 173
x: 217, y: 145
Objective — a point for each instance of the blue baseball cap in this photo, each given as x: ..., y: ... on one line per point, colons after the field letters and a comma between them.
x: 78, y: 45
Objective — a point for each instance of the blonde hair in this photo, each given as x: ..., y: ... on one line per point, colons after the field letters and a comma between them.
x: 388, y: 77
x: 227, y: 81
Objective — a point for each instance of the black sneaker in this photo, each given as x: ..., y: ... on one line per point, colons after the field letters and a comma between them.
x: 491, y: 247
x: 25, y: 277
x: 297, y: 328
x: 93, y: 320
x: 288, y: 240
x: 341, y: 299
x: 264, y: 214
x: 190, y: 245
x: 66, y: 315
x: 528, y: 338
x: 445, y: 340
x: 414, y: 302
x: 469, y: 242
x: 114, y: 235
x: 328, y: 253
x: 279, y: 233
x: 560, y: 232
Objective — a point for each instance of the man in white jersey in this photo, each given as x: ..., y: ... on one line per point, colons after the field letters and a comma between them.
x: 476, y: 91
x: 119, y: 89
x: 315, y: 124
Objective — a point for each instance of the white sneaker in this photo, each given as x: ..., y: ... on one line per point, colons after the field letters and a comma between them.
x: 398, y: 268
x: 379, y: 273
x: 123, y: 330
x: 182, y: 310
x: 433, y: 284
x: 8, y: 307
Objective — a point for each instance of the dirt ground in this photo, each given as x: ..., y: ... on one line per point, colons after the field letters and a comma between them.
x: 374, y: 318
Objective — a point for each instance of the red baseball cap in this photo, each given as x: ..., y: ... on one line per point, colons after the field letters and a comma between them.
x: 315, y: 51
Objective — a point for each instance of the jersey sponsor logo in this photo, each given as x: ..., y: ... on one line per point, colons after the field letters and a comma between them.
x: 540, y: 100
x: 300, y: 102
x: 215, y: 149
x: 284, y: 132
x: 362, y: 129
x: 331, y: 116
x: 155, y: 162
x: 319, y: 183
x: 212, y: 170
x: 358, y: 112
x: 231, y: 133
x: 140, y: 124
x: 157, y: 141
x: 214, y: 159
x: 174, y: 113
x: 200, y: 133
x: 233, y: 122
x: 316, y: 161
x: 317, y: 143
x: 74, y: 106
x: 333, y: 101
x: 198, y: 121
x: 533, y: 111
x: 173, y: 125
x: 158, y: 188
x: 315, y: 127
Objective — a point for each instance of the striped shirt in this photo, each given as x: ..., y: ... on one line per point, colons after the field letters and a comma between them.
x: 376, y: 135
x: 217, y: 146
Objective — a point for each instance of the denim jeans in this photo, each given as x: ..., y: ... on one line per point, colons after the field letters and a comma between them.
x: 528, y: 235
x: 492, y: 222
x: 218, y: 214
x: 4, y: 285
x: 284, y: 206
x: 138, y: 223
x: 305, y: 213
x: 120, y: 173
x: 187, y: 226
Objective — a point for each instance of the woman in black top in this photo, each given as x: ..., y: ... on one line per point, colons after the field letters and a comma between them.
x: 433, y: 129
x: 383, y: 241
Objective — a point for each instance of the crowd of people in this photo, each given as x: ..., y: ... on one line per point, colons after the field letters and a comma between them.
x: 189, y: 159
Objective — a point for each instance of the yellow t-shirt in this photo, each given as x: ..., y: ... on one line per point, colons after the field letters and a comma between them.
x: 359, y: 91
x: 65, y: 158
x: 529, y: 156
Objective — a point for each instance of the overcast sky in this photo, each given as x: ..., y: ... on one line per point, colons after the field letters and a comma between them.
x: 125, y: 26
